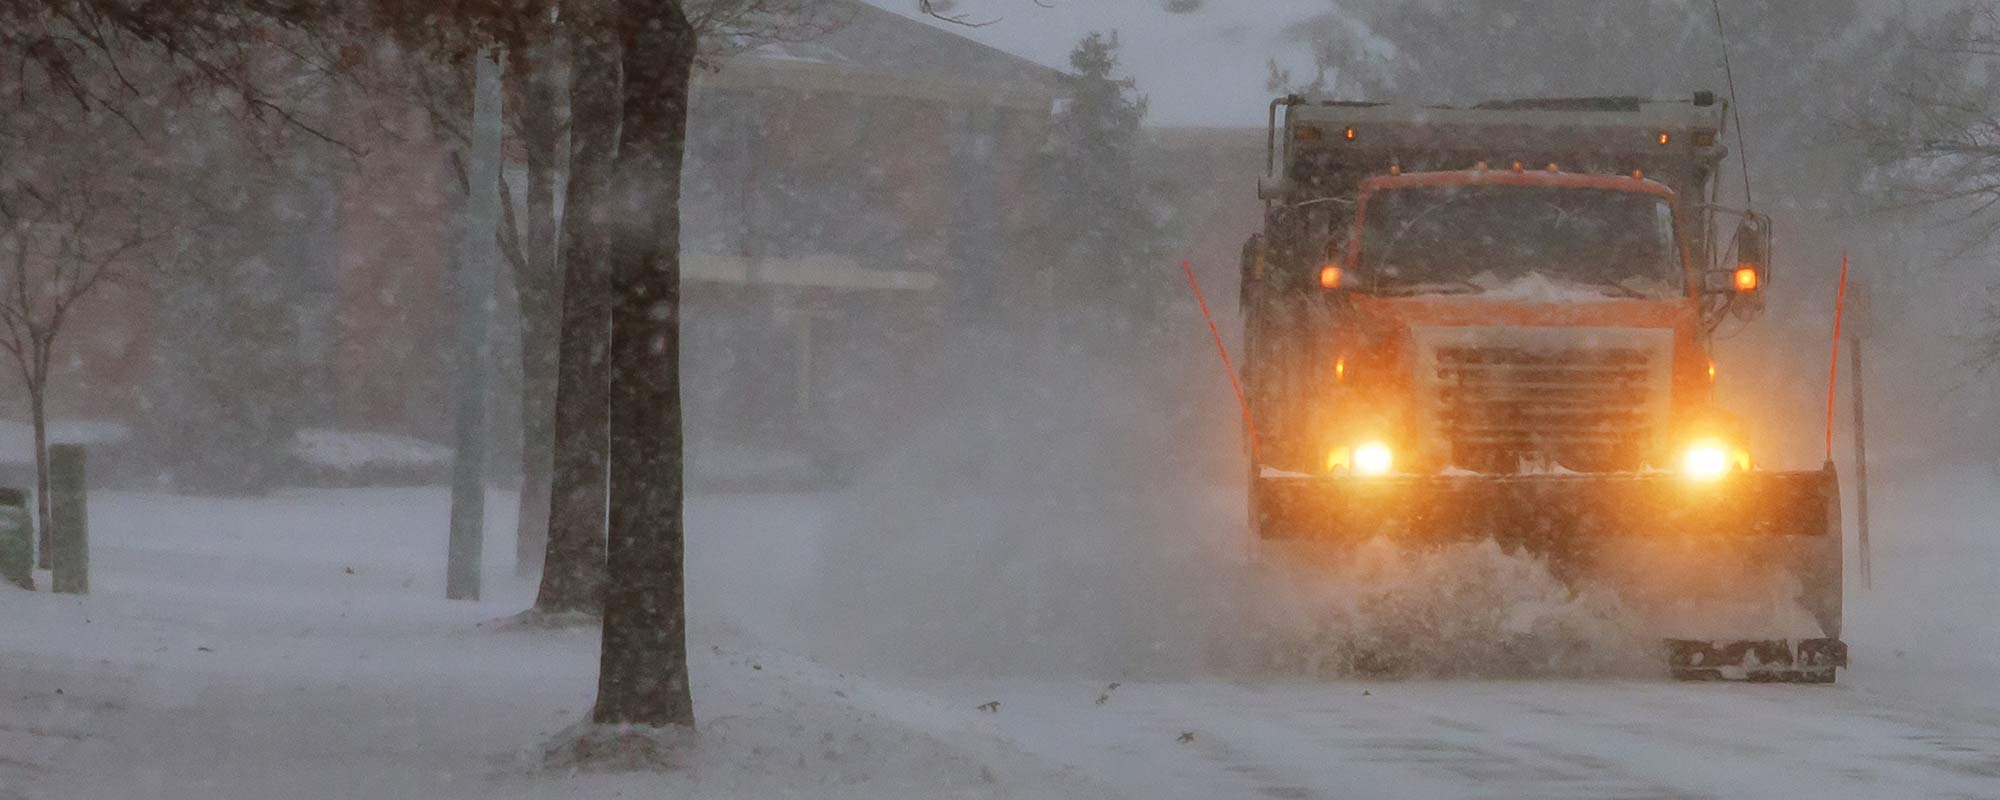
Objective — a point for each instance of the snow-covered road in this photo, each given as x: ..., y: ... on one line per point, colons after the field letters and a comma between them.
x: 297, y: 646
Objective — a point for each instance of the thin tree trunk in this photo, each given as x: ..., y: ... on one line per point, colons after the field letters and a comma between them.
x: 573, y: 575
x: 642, y: 674
x: 539, y: 286
x: 38, y: 411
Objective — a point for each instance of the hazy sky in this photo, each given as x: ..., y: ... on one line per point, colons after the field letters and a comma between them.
x: 1205, y: 68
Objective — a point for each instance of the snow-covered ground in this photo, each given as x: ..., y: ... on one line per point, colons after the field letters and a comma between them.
x: 298, y: 646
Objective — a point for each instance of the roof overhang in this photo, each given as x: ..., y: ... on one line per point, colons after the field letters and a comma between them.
x: 751, y: 71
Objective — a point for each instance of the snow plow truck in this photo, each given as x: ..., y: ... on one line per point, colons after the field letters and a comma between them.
x: 1496, y: 321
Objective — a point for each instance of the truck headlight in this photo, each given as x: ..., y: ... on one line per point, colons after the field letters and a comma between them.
x: 1707, y: 461
x: 1373, y: 459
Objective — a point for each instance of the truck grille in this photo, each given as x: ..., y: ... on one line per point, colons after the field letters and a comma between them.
x: 1501, y: 407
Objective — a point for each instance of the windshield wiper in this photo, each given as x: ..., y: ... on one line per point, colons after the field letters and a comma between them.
x: 1624, y: 290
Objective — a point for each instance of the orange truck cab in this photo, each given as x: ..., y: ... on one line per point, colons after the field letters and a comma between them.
x: 1496, y: 321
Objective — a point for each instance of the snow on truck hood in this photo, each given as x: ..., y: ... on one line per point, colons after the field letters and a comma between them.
x: 1535, y: 287
x: 1533, y: 300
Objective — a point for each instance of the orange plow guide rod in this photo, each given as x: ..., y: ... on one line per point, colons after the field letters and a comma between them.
x: 1833, y: 373
x: 1242, y: 402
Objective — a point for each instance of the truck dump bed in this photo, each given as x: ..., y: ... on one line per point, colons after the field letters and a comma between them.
x: 1326, y: 147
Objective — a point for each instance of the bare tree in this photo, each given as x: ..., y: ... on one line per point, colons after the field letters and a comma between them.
x: 537, y: 101
x: 573, y: 573
x: 643, y: 677
x: 1925, y: 114
x: 573, y: 570
x: 1933, y: 126
x: 67, y: 229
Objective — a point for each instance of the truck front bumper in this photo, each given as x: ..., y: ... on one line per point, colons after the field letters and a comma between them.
x: 1530, y: 509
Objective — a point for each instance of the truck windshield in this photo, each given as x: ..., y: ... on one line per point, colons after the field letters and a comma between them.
x: 1472, y: 238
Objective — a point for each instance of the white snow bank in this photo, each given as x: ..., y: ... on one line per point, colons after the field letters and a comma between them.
x: 17, y: 439
x: 350, y: 450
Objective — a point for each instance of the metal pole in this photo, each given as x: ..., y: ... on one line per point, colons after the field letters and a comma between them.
x: 475, y: 285
x: 1861, y: 461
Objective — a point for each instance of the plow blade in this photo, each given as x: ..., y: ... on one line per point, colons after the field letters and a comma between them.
x: 1766, y: 661
x: 1655, y: 537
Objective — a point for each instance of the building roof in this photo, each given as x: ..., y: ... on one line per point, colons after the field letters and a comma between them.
x: 1209, y: 66
x: 871, y: 51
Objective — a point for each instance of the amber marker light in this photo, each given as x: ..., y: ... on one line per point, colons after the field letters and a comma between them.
x: 1747, y: 279
x: 1329, y: 277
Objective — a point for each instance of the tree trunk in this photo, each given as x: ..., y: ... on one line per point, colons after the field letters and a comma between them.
x: 642, y: 676
x: 472, y: 285
x: 38, y: 412
x: 573, y: 574
x: 539, y: 286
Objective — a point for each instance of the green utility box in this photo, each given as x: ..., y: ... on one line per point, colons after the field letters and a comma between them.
x: 17, y: 539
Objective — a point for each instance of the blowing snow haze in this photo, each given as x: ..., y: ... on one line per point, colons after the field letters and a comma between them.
x: 998, y: 399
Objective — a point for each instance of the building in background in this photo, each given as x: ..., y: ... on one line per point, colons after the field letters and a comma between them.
x: 845, y: 199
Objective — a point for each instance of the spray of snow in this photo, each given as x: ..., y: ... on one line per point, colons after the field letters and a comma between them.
x: 1022, y: 535
x: 1465, y: 609
x: 1053, y: 517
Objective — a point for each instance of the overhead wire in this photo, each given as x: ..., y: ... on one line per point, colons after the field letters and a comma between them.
x: 1735, y: 106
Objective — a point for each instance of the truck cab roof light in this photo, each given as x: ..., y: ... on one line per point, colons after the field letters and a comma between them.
x: 1517, y: 166
x: 1638, y: 174
x: 1350, y: 133
x: 1554, y: 167
x: 1665, y: 138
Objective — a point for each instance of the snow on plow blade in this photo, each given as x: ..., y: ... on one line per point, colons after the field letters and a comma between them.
x: 1762, y: 523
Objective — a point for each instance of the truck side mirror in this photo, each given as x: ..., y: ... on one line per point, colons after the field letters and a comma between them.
x: 1753, y: 256
x: 1752, y: 272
